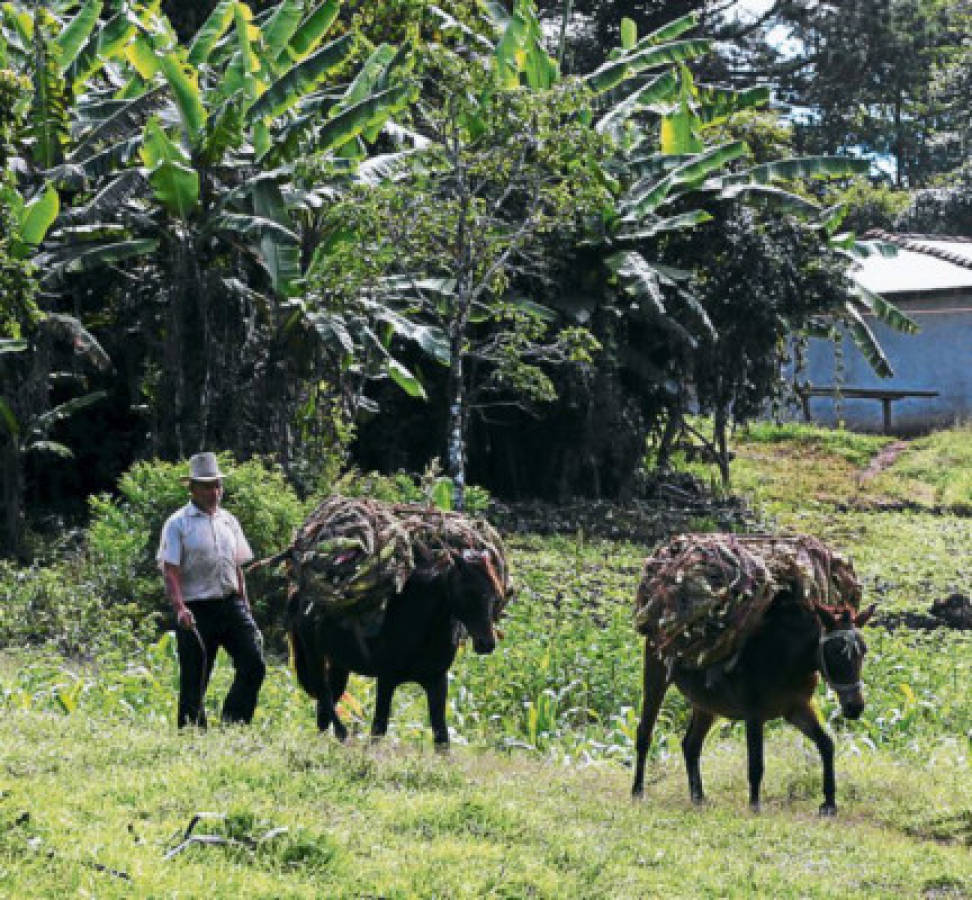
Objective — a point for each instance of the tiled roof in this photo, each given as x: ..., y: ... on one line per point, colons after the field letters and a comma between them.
x: 920, y: 263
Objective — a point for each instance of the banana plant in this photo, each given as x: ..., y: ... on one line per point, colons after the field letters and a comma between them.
x: 659, y: 125
x: 183, y: 157
x: 26, y: 419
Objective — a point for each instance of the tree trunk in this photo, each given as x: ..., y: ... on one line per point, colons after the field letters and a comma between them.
x: 11, y: 495
x: 183, y: 399
x: 719, y: 428
x: 457, y: 419
x: 456, y: 425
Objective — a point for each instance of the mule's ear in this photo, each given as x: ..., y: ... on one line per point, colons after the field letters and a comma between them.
x: 862, y: 618
x: 826, y: 616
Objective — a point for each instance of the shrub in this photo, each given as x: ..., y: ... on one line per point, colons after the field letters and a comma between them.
x: 123, y: 536
x: 431, y: 487
x: 62, y: 605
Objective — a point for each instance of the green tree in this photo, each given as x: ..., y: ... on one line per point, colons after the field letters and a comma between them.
x: 501, y: 158
x: 30, y: 341
x: 668, y: 319
x: 881, y: 77
x: 182, y: 165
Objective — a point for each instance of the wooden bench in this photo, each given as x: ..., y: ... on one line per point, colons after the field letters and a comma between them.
x: 885, y: 395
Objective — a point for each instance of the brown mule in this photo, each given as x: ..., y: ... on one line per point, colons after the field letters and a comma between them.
x: 773, y: 675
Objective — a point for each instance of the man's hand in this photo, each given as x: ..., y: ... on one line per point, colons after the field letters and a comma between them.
x: 185, y: 618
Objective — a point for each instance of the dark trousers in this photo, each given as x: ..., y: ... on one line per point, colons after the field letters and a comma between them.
x: 225, y: 623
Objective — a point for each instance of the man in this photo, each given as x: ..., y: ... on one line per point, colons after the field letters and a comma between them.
x: 201, y: 555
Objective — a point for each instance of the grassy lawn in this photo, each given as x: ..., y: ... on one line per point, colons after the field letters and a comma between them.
x: 97, y: 789
x: 91, y: 806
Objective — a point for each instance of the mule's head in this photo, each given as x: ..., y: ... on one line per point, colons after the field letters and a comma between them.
x: 476, y: 596
x: 841, y: 655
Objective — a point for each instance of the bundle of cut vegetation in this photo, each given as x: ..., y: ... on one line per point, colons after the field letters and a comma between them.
x: 352, y: 554
x: 701, y: 595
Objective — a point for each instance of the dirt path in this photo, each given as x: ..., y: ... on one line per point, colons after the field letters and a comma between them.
x: 883, y: 460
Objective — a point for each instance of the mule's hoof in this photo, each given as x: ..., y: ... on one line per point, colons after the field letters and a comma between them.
x: 828, y: 809
x: 637, y: 793
x: 755, y: 807
x: 698, y: 799
x: 442, y: 747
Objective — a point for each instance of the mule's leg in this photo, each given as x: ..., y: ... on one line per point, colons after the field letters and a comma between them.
x: 384, y: 689
x: 337, y: 681
x: 436, y: 690
x: 698, y: 728
x: 754, y: 748
x: 326, y: 713
x: 805, y: 718
x: 653, y: 692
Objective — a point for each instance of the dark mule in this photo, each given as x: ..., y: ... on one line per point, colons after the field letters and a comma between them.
x: 416, y: 641
x: 774, y: 675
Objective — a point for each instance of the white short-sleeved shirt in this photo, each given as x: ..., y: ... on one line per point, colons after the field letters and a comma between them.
x: 207, y: 550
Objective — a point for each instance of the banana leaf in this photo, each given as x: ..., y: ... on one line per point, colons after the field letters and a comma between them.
x: 312, y: 29
x: 302, y: 78
x: 281, y: 257
x: 715, y: 105
x: 169, y: 171
x: 638, y: 278
x: 404, y: 378
x: 64, y: 410
x: 806, y: 167
x: 669, y: 31
x: 280, y: 28
x: 866, y: 342
x: 772, y: 197
x: 188, y: 99
x: 252, y: 227
x: 116, y: 121
x: 7, y: 416
x: 885, y: 311
x: 76, y: 32
x: 612, y: 73
x: 102, y: 45
x: 54, y: 447
x: 661, y: 226
x: 662, y: 87
x: 38, y: 215
x: 215, y: 26
x: 53, y: 267
x: 351, y: 122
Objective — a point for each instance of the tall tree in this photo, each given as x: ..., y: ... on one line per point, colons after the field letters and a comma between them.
x: 501, y: 158
x: 879, y: 77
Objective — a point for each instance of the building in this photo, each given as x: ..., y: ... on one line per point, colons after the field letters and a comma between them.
x: 929, y: 278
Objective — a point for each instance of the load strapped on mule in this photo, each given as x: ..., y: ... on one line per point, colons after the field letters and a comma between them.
x: 353, y: 554
x: 701, y: 595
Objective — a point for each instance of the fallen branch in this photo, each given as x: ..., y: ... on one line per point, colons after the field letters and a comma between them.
x: 246, y: 843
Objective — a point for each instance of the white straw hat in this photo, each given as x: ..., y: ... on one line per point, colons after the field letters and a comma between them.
x: 204, y: 467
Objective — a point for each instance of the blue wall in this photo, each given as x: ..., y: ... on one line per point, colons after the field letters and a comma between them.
x: 939, y: 358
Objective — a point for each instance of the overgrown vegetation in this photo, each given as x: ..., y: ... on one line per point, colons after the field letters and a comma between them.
x: 543, y: 733
x: 266, y: 222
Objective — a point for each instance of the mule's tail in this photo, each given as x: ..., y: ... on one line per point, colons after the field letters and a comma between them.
x: 306, y: 663
x: 302, y: 664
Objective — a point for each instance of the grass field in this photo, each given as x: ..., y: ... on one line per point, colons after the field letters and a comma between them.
x: 97, y: 790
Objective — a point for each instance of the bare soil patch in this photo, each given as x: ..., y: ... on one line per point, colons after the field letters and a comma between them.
x: 884, y: 459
